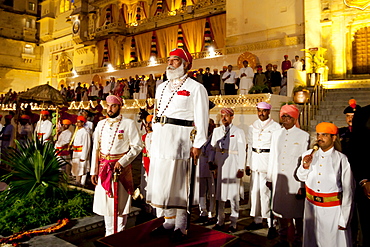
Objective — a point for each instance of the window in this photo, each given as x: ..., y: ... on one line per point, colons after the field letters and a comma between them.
x: 64, y: 6
x: 31, y: 6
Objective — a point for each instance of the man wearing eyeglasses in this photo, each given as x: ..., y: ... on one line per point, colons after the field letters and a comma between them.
x: 287, y: 146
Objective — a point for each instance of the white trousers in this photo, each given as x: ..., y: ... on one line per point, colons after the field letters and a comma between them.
x: 175, y: 218
x: 109, y: 224
x: 260, y: 196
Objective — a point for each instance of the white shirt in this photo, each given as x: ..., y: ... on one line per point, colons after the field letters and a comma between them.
x: 45, y: 128
x: 232, y: 78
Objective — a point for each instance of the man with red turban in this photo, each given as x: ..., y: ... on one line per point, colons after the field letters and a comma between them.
x: 287, y: 146
x: 116, y: 144
x: 81, y: 151
x: 182, y: 105
x: 44, y: 127
x: 62, y: 144
x: 25, y: 129
x: 329, y: 191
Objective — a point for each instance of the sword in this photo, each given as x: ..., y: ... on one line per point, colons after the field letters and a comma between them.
x: 192, y: 181
x: 115, y: 198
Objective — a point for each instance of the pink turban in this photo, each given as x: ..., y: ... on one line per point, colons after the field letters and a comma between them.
x: 291, y: 110
x: 113, y: 99
x: 227, y: 111
x: 264, y: 105
x: 183, y: 54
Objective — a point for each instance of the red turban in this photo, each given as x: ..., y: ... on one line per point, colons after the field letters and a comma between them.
x: 45, y: 113
x: 285, y: 55
x: 328, y: 128
x: 183, y: 54
x: 227, y: 111
x: 82, y: 118
x: 66, y: 121
x: 113, y: 99
x: 8, y: 117
x: 25, y: 117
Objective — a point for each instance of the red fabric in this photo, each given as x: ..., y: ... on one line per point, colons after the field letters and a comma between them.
x: 146, y: 159
x: 113, y: 99
x: 82, y: 118
x: 184, y: 93
x: 229, y: 111
x: 183, y: 54
x: 45, y: 113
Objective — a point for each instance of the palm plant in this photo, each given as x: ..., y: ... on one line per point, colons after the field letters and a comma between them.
x: 34, y: 167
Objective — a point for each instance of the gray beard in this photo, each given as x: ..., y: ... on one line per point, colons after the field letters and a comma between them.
x: 175, y: 73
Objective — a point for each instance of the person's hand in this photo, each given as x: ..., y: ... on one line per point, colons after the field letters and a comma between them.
x: 117, y: 167
x: 243, y: 75
x: 269, y: 185
x: 366, y: 189
x: 247, y: 171
x: 195, y: 153
x: 307, y: 161
x: 239, y: 174
x: 341, y: 228
x: 94, y: 179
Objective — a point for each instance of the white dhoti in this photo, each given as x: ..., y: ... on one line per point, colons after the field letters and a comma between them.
x: 260, y: 196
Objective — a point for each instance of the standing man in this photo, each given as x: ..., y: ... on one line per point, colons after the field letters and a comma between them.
x: 62, y: 144
x: 259, y: 142
x: 329, y: 191
x: 287, y: 146
x: 275, y: 80
x: 286, y: 64
x: 81, y: 152
x: 7, y: 132
x: 116, y: 144
x: 246, y: 78
x: 297, y: 64
x: 182, y: 105
x: 228, y: 142
x: 345, y: 133
x: 207, y: 80
x: 44, y: 127
x: 229, y: 79
x: 25, y: 129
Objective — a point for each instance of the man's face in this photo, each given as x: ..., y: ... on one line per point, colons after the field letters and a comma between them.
x: 263, y: 114
x: 274, y: 68
x: 226, y: 119
x: 297, y: 58
x: 65, y: 126
x: 229, y: 68
x: 174, y: 62
x: 113, y: 109
x: 80, y: 123
x: 215, y: 71
x: 44, y: 117
x: 245, y: 64
x: 325, y: 141
x: 288, y: 121
x: 349, y: 117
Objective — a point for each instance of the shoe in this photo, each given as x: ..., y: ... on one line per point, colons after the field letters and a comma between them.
x: 160, y: 231
x: 210, y: 221
x: 253, y: 226
x: 218, y: 227
x: 272, y: 233
x: 201, y: 219
x: 231, y: 229
x: 178, y: 236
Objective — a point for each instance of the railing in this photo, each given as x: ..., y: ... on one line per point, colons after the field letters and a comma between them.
x: 310, y: 109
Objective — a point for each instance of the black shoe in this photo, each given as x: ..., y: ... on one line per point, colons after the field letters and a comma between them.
x: 178, y: 236
x: 231, y: 229
x: 210, y: 221
x: 160, y: 231
x: 253, y: 226
x: 201, y: 219
x: 218, y: 227
x: 272, y: 233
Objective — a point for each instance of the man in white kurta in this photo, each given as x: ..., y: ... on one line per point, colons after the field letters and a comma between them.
x: 259, y: 142
x: 287, y: 146
x: 182, y: 103
x: 229, y: 144
x: 329, y: 192
x: 44, y: 127
x: 229, y: 79
x: 116, y: 144
x: 62, y: 145
x: 81, y: 152
x: 246, y: 78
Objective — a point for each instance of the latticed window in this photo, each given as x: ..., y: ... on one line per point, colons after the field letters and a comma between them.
x: 361, y: 51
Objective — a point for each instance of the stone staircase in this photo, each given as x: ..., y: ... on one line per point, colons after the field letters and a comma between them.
x: 336, y: 100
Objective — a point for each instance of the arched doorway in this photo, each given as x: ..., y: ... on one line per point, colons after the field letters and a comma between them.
x: 250, y: 57
x: 361, y: 51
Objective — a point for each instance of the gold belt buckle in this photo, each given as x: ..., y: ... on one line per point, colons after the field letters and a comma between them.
x: 318, y: 199
x: 162, y: 120
x: 222, y: 150
x: 107, y: 157
x: 258, y: 150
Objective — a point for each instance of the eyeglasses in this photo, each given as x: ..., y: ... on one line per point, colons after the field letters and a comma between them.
x: 286, y: 116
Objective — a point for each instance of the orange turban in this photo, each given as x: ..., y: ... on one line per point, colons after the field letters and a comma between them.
x: 149, y: 118
x: 45, y: 113
x: 82, y: 118
x: 66, y: 121
x: 328, y: 128
x: 25, y: 117
x: 291, y: 110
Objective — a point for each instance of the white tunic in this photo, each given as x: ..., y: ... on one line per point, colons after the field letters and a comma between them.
x: 229, y: 156
x: 168, y: 183
x: 329, y: 172
x: 118, y: 137
x: 45, y: 128
x: 286, y: 149
x: 246, y: 82
x: 64, y: 138
x: 82, y: 142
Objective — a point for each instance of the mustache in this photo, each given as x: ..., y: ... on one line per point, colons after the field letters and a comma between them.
x: 171, y: 67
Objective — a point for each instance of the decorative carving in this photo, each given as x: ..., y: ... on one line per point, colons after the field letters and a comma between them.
x: 359, y: 4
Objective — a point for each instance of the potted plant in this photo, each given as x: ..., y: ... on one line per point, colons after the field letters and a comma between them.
x: 259, y: 89
x: 316, y: 60
x: 300, y: 94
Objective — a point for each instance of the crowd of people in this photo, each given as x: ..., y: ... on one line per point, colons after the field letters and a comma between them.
x: 292, y: 186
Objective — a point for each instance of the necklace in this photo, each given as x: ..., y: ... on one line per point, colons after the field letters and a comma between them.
x: 115, y: 133
x: 173, y: 94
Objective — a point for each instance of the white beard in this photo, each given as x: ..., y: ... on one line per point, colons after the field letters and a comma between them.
x: 175, y: 73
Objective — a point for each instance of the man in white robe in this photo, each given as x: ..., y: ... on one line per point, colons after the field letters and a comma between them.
x: 329, y: 191
x: 116, y: 144
x: 246, y: 78
x: 44, y: 127
x: 259, y: 141
x: 229, y: 144
x: 81, y: 152
x: 62, y: 145
x: 182, y: 104
x: 287, y: 146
